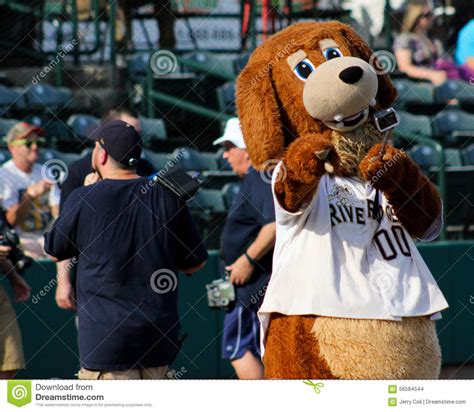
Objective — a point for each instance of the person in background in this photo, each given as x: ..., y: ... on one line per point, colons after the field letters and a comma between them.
x: 248, y: 239
x: 30, y: 200
x: 415, y: 51
x: 11, y: 349
x: 81, y: 173
x: 464, y: 55
x: 421, y: 56
x: 127, y: 242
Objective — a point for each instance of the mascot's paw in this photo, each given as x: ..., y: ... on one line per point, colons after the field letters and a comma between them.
x: 384, y: 171
x: 309, y: 157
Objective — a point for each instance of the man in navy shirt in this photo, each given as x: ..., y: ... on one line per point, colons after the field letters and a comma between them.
x: 248, y: 239
x: 130, y: 245
x: 79, y: 174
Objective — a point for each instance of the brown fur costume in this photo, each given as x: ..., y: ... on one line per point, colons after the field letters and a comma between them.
x: 277, y: 126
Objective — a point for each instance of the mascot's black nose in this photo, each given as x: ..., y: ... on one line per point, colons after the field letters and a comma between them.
x: 351, y: 74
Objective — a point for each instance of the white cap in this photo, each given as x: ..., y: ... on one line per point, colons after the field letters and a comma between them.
x: 232, y: 134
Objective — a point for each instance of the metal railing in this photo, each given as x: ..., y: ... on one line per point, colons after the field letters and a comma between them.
x: 58, y: 16
x: 153, y: 95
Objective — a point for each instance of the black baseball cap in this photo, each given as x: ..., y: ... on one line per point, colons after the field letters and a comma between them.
x: 120, y: 140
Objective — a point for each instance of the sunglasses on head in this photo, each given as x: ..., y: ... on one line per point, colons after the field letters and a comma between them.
x: 427, y: 14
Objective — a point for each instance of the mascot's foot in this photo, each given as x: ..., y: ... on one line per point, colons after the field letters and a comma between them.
x: 310, y: 347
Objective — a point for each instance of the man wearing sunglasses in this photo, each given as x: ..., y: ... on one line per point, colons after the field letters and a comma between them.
x: 30, y: 201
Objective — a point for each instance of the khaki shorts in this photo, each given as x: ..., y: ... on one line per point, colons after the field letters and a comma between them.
x: 147, y: 373
x: 11, y: 350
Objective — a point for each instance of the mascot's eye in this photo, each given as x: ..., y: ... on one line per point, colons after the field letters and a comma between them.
x: 303, y: 69
x: 332, y: 53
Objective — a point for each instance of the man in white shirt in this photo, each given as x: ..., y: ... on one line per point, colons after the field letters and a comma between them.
x: 29, y: 199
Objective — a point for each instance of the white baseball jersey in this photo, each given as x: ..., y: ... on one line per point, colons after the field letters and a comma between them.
x: 337, y: 258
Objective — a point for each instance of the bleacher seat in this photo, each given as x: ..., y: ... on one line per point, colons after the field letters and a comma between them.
x: 454, y: 126
x: 453, y: 157
x: 450, y: 121
x: 459, y: 199
x: 424, y: 156
x: 193, y: 160
x: 137, y: 67
x: 159, y: 161
x: 209, y: 212
x: 241, y: 62
x: 413, y: 92
x: 82, y: 124
x: 468, y: 155
x: 220, y: 174
x: 226, y: 98
x: 414, y: 124
x: 42, y: 97
x: 86, y: 151
x: 209, y: 201
x: 152, y: 130
x: 230, y: 191
x: 459, y: 205
x: 428, y: 158
x: 212, y: 61
x: 59, y: 134
x: 47, y: 154
x: 222, y: 164
x: 10, y: 99
x: 36, y: 120
x: 455, y: 89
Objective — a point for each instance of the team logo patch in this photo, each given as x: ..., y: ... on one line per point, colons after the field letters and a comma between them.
x: 343, y: 195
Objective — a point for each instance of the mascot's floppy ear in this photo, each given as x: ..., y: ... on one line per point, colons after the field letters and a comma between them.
x: 386, y: 93
x: 259, y: 113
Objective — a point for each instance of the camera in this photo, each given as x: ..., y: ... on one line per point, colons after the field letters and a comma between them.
x: 178, y: 182
x: 220, y: 293
x: 9, y: 237
x: 386, y: 119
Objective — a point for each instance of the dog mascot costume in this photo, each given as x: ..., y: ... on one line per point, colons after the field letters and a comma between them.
x: 350, y: 297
